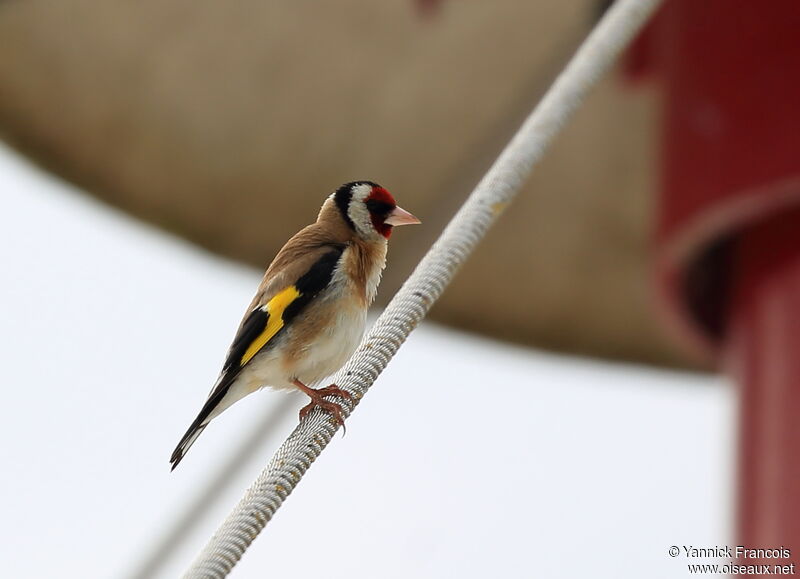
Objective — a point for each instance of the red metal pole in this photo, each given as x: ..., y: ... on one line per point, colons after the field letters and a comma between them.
x: 762, y: 353
x: 730, y: 198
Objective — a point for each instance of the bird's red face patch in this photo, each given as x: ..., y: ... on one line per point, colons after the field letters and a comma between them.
x: 379, y: 204
x: 381, y: 194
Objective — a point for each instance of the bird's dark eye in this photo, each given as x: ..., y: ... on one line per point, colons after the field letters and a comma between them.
x: 379, y: 207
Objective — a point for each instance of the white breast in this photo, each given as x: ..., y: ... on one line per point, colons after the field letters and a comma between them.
x: 332, y: 347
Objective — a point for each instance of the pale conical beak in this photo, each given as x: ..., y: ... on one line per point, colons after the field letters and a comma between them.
x: 400, y: 216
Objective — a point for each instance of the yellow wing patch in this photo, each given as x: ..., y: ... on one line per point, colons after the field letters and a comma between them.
x: 275, y: 308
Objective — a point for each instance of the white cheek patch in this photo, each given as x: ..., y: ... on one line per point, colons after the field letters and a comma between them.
x: 357, y: 210
x: 361, y: 192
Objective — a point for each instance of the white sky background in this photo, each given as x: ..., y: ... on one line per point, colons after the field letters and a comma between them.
x: 468, y: 459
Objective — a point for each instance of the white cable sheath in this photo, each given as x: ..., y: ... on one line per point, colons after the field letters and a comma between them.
x: 492, y: 195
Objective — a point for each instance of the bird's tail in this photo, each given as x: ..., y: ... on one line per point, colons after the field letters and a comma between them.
x: 213, y: 406
x: 186, y: 442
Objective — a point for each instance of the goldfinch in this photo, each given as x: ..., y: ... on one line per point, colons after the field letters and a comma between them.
x: 310, y: 310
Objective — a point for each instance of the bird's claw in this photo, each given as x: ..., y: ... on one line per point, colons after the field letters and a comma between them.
x: 332, y: 408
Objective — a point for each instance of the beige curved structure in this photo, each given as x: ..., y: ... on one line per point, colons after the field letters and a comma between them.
x: 228, y: 122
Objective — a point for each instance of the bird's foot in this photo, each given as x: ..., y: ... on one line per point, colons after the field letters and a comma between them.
x: 318, y: 396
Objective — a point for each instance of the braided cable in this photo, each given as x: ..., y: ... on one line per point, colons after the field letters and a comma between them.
x: 409, y: 306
